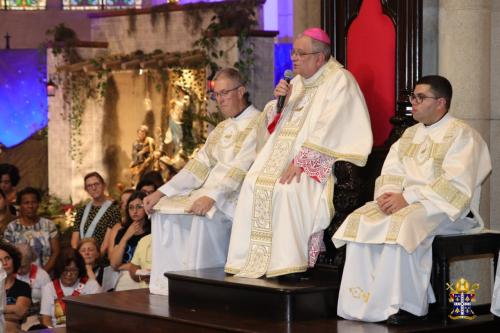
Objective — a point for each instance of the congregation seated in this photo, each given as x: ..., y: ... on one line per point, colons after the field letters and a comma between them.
x: 137, y: 226
x: 429, y: 185
x: 97, y: 217
x: 193, y: 211
x: 38, y: 232
x: 17, y: 292
x: 9, y: 178
x: 36, y: 277
x: 70, y: 279
x: 6, y: 215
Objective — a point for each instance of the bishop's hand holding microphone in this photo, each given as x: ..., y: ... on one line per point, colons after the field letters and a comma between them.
x: 282, y: 90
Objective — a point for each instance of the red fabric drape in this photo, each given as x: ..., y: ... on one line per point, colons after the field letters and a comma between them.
x: 371, y: 57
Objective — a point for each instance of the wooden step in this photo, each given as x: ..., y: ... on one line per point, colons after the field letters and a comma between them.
x: 137, y: 311
x: 311, y: 297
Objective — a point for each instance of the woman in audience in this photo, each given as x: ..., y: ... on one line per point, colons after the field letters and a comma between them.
x: 70, y: 280
x: 18, y: 293
x: 6, y: 215
x: 9, y: 178
x: 97, y: 217
x: 90, y: 254
x: 123, y: 211
x: 137, y: 226
x: 38, y: 232
x: 36, y: 277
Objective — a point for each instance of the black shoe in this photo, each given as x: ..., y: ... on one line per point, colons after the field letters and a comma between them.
x: 404, y: 318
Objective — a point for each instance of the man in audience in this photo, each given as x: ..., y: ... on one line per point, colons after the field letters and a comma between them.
x: 192, y: 221
x: 324, y: 120
x: 429, y: 185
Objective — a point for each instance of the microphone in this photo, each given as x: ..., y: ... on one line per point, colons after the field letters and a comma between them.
x: 281, y: 100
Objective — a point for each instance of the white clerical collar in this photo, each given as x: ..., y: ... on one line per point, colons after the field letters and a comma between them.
x: 310, y: 81
x: 441, y: 122
x: 243, y: 113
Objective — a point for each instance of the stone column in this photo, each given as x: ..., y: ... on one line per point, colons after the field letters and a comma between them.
x: 306, y: 14
x: 495, y: 114
x: 465, y: 59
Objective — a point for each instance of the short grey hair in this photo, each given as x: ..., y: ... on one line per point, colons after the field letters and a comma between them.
x: 27, y: 251
x: 230, y: 73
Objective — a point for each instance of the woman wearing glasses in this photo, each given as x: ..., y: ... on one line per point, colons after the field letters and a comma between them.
x: 97, y: 217
x: 137, y: 225
x: 70, y: 280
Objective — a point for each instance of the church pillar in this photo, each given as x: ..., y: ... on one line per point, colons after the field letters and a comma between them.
x: 465, y: 59
x: 306, y: 14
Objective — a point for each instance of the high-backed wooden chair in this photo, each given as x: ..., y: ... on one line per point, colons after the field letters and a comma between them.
x: 364, y: 32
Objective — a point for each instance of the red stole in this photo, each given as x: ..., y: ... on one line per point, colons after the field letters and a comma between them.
x: 34, y: 269
x: 60, y: 294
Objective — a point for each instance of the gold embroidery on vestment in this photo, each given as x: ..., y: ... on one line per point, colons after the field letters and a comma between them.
x: 389, y: 180
x: 451, y: 194
x: 397, y: 219
x: 213, y: 140
x: 435, y: 151
x: 288, y: 270
x: 237, y: 175
x: 259, y: 254
x: 359, y: 160
x: 358, y: 292
x: 244, y: 134
x: 198, y: 169
x: 370, y: 210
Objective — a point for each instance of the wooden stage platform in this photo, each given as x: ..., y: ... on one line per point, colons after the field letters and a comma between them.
x: 138, y: 311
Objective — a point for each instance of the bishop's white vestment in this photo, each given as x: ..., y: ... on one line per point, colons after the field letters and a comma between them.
x: 183, y: 241
x: 325, y: 120
x: 439, y: 170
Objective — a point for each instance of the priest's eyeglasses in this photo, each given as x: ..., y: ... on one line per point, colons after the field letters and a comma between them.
x: 300, y: 53
x: 419, y: 98
x: 223, y: 93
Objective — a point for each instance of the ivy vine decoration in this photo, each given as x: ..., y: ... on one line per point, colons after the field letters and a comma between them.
x: 228, y: 17
x: 79, y: 86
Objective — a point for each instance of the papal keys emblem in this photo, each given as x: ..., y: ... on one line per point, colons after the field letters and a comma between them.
x: 462, y: 297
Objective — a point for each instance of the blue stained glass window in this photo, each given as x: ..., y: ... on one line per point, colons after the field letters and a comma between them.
x: 100, y: 4
x: 23, y: 95
x: 282, y: 60
x: 24, y: 4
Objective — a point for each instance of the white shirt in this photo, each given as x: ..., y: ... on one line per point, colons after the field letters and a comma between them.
x: 41, y: 279
x: 49, y: 295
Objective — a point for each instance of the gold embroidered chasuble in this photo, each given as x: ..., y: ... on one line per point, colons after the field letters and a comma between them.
x: 439, y: 170
x: 273, y: 222
x: 219, y: 167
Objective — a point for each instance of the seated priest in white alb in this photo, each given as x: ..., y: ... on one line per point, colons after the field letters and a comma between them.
x: 192, y: 213
x: 287, y: 195
x: 429, y: 185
